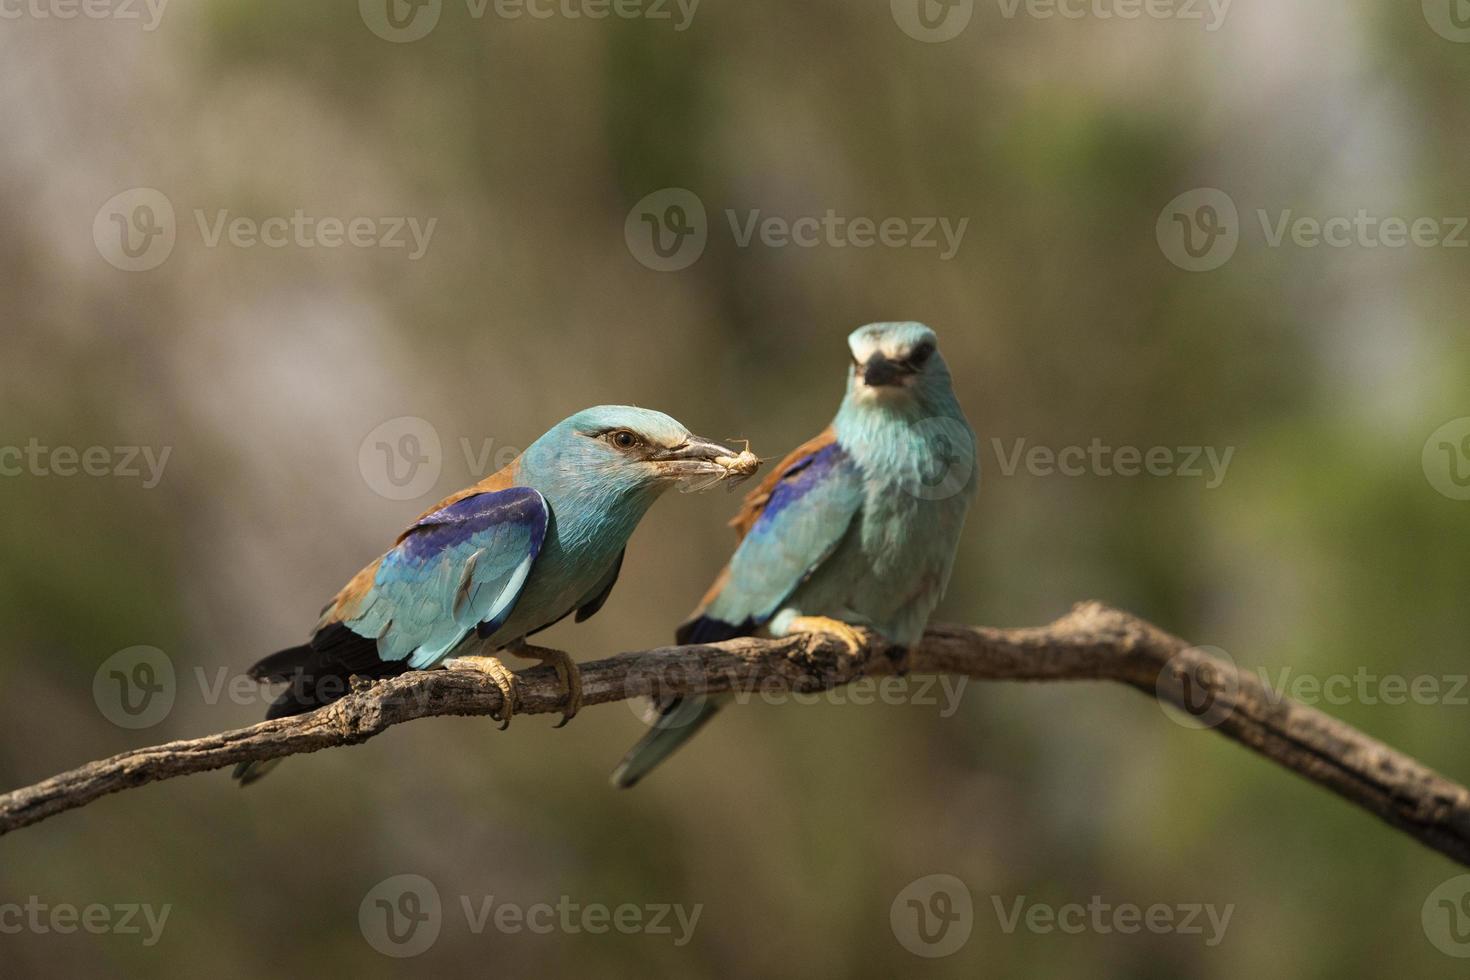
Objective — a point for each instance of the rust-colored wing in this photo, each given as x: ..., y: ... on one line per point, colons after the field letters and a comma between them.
x: 755, y: 501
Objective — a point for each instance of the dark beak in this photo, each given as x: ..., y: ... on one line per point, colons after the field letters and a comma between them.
x: 699, y: 456
x: 881, y: 371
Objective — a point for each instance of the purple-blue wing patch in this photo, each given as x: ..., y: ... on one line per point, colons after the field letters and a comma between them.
x: 457, y: 569
x: 805, y: 518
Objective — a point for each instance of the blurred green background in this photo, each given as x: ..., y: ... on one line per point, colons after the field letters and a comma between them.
x: 1326, y: 548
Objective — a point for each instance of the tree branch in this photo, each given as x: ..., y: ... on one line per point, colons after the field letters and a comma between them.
x: 1092, y: 642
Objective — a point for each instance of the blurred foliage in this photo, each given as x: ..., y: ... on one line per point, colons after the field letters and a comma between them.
x: 1324, y: 551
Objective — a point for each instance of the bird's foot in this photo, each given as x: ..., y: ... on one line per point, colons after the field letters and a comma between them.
x: 845, y: 632
x: 566, y: 671
x: 503, y: 677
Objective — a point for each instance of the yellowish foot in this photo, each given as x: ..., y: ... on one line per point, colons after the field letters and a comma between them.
x: 503, y: 677
x: 566, y: 672
x: 845, y: 632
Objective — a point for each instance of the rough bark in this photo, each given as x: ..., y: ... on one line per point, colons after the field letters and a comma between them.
x: 1092, y: 642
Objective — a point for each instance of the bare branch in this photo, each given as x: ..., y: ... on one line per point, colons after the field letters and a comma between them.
x: 1092, y: 642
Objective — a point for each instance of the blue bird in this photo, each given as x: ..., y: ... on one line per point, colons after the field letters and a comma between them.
x: 488, y: 566
x: 856, y: 527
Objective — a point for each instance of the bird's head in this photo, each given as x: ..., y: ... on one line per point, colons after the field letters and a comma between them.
x: 895, y: 363
x: 619, y: 449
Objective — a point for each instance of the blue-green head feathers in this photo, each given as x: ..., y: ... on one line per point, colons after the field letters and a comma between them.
x: 897, y: 367
x: 618, y: 452
x: 900, y: 416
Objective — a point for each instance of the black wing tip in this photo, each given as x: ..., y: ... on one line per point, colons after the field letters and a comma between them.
x: 281, y: 665
x: 707, y: 629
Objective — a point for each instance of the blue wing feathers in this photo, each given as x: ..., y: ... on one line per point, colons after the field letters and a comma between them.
x: 455, y: 570
x: 802, y: 523
x: 799, y: 481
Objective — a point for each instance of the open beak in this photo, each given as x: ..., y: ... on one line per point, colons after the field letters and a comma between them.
x: 701, y: 457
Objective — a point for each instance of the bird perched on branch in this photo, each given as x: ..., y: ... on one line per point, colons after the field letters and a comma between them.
x: 494, y: 563
x: 857, y: 526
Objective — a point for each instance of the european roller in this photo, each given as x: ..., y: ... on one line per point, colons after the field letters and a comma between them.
x: 493, y: 564
x: 856, y: 527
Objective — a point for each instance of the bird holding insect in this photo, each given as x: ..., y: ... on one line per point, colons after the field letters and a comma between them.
x: 489, y: 566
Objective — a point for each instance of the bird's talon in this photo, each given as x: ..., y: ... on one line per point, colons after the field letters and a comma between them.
x: 566, y: 672
x: 504, y: 678
x: 845, y: 632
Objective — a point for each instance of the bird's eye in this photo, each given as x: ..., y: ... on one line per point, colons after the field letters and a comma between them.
x: 921, y: 354
x: 624, y: 439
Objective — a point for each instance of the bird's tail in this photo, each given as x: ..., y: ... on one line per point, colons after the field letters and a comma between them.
x: 678, y: 717
x: 316, y: 674
x: 678, y: 720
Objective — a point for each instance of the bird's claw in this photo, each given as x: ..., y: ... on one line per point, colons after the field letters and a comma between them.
x: 504, y: 678
x: 566, y: 671
x: 845, y: 632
